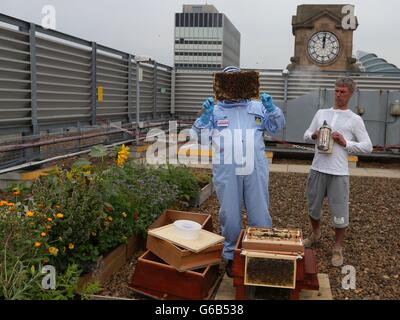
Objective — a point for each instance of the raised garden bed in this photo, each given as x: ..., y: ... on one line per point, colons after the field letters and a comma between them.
x: 112, y: 262
x: 204, y: 193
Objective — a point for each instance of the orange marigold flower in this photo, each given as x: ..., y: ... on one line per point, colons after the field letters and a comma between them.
x: 30, y: 214
x: 43, y: 234
x: 59, y: 215
x: 37, y: 244
x: 53, y: 251
x: 49, y: 219
x: 16, y: 193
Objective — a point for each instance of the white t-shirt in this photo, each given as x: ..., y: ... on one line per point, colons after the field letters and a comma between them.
x: 352, y: 127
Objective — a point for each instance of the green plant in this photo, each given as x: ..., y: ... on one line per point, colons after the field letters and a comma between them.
x: 90, y: 289
x: 18, y: 254
x: 181, y: 177
x: 203, y: 179
x: 71, y: 205
x: 138, y: 191
x: 66, y: 286
x: 16, y: 278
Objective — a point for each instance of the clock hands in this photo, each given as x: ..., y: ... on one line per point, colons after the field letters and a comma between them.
x: 324, y: 41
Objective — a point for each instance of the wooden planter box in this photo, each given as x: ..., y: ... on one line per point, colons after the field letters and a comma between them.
x: 112, y: 262
x: 182, y: 259
x: 204, y: 194
x: 306, y: 272
x: 156, y: 279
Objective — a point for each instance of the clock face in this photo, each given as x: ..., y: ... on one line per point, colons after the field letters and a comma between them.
x: 323, y: 47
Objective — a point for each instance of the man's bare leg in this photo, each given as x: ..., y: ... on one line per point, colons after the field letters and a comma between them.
x: 339, y: 235
x: 316, y: 226
x: 316, y: 233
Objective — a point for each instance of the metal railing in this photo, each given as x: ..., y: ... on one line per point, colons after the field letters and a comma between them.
x: 50, y: 80
x: 53, y: 82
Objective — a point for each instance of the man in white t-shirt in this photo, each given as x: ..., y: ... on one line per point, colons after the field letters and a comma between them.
x: 329, y: 174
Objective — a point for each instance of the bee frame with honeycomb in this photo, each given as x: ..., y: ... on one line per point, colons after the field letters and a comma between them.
x: 270, y: 270
x: 236, y: 85
x: 289, y: 240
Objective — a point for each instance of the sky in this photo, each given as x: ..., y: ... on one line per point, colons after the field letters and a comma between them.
x: 146, y: 27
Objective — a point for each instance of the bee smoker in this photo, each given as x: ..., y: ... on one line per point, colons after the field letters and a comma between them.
x: 325, y: 141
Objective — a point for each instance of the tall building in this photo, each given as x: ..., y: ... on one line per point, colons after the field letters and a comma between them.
x: 205, y: 38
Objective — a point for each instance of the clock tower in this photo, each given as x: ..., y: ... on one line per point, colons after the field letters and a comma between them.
x: 323, y: 40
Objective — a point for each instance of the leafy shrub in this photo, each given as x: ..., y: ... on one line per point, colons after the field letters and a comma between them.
x: 139, y: 193
x: 183, y: 178
x: 72, y: 209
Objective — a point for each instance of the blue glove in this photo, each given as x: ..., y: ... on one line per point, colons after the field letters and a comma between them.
x: 267, y: 102
x: 208, y: 106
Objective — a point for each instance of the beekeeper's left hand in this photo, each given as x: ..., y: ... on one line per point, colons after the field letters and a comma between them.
x: 267, y: 102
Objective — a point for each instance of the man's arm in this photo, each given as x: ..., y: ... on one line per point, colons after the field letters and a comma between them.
x: 363, y: 144
x: 311, y: 133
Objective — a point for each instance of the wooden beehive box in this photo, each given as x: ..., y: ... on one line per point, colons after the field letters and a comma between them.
x: 155, y: 278
x: 274, y: 240
x: 236, y: 85
x: 178, y: 257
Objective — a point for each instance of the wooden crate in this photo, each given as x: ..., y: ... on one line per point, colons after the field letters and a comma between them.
x: 182, y: 259
x: 178, y: 257
x: 155, y: 278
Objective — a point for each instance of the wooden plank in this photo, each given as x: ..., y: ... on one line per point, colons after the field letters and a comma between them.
x: 100, y: 297
x: 310, y: 261
x: 206, y: 239
x: 111, y: 263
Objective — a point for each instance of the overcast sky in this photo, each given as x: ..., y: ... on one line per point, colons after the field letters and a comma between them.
x: 146, y: 27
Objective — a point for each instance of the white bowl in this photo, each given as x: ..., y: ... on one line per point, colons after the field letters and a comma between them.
x: 187, y: 229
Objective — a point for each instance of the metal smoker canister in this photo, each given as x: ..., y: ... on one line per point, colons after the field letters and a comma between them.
x: 325, y: 136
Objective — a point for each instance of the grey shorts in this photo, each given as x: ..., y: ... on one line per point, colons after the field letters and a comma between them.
x: 336, y: 188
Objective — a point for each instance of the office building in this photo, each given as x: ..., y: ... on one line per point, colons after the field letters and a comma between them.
x: 205, y: 39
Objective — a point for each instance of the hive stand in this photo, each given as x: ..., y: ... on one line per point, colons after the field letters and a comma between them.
x: 306, y: 275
